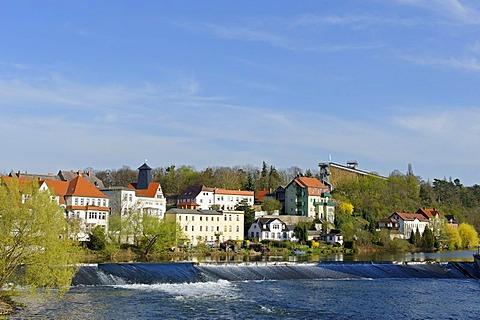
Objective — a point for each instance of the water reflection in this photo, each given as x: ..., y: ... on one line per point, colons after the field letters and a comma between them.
x: 441, y: 256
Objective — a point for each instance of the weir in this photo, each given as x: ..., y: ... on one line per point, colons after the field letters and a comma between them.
x: 186, y: 272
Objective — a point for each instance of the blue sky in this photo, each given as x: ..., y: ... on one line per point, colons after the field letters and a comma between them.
x: 220, y: 83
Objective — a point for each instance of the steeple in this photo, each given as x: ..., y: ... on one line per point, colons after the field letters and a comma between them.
x: 144, y: 176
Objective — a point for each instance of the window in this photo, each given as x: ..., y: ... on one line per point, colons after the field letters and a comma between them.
x: 229, y: 217
x: 200, y: 218
x: 76, y: 201
x: 229, y: 228
x: 224, y: 228
x: 238, y: 217
x: 238, y: 229
x: 252, y: 234
x: 179, y: 218
x: 193, y: 218
x: 186, y: 228
x: 193, y: 228
x: 81, y: 201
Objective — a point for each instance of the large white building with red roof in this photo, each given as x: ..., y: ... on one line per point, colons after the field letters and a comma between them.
x: 87, y: 205
x: 214, y: 198
x: 309, y: 197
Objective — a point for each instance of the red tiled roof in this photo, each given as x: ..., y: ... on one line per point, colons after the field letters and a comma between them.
x: 82, y: 188
x: 309, y: 182
x: 58, y: 187
x: 428, y: 213
x: 151, y: 192
x: 408, y: 216
x: 260, y: 195
x: 234, y: 192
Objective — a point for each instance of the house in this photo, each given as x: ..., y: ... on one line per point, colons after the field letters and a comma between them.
x: 200, y: 226
x: 310, y: 198
x: 271, y: 229
x: 334, y: 237
x: 409, y: 222
x: 85, y: 206
x: 436, y: 222
x: 85, y: 203
x: 451, y: 221
x: 215, y: 198
x: 143, y: 196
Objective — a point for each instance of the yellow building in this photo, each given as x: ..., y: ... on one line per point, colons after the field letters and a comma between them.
x: 208, y: 226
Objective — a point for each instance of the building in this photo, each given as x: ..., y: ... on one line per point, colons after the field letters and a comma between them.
x: 331, y: 174
x: 215, y: 198
x: 310, y: 198
x: 87, y: 205
x: 409, y: 222
x: 334, y: 237
x: 84, y: 205
x: 143, y: 196
x: 201, y: 226
x: 271, y: 229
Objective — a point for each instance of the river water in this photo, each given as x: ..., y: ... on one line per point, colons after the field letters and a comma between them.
x: 334, y: 290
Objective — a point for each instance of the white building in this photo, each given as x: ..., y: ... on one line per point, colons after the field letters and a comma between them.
x: 214, y: 198
x: 201, y: 226
x: 410, y: 222
x: 87, y: 204
x: 271, y: 229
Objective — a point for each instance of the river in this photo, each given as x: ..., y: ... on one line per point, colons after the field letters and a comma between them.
x: 333, y: 290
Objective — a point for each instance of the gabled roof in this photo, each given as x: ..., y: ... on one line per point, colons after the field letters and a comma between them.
x: 82, y: 188
x: 428, y: 213
x: 58, y: 187
x: 264, y: 223
x: 90, y: 177
x: 408, y: 216
x: 193, y: 191
x: 305, y: 182
x: 150, y: 192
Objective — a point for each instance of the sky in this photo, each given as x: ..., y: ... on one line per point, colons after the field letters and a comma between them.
x: 104, y: 84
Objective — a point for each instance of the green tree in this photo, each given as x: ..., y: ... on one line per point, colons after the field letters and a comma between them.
x: 413, y: 238
x: 248, y: 215
x: 32, y: 235
x: 452, y: 239
x: 469, y: 235
x: 270, y: 205
x: 418, y: 236
x: 428, y: 239
x: 97, y: 239
x: 159, y: 235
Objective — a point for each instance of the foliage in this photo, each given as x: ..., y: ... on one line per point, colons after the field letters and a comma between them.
x: 32, y: 235
x: 159, y: 235
x: 469, y: 235
x: 248, y: 214
x: 97, y: 239
x: 451, y: 238
x: 270, y: 205
x: 428, y: 240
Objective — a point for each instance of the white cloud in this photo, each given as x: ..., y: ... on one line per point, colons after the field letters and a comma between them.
x: 468, y: 64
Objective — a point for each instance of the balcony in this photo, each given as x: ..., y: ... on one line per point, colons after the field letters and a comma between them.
x: 300, y: 204
x: 300, y: 193
x: 326, y: 195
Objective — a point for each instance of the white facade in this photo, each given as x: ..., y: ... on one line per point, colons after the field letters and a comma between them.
x: 214, y: 198
x: 270, y: 229
x: 127, y: 200
x: 409, y: 222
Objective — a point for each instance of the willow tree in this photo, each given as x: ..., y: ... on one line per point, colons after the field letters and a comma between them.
x: 33, y: 248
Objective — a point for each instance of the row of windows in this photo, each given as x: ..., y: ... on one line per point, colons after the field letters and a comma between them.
x: 213, y: 228
x: 200, y: 218
x: 97, y: 215
x: 90, y: 202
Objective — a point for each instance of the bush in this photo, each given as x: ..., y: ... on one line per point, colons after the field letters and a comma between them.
x: 98, y: 239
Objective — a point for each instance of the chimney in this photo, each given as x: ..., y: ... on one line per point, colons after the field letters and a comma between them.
x: 79, y: 173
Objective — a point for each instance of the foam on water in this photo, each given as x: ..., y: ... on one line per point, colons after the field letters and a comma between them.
x: 220, y: 288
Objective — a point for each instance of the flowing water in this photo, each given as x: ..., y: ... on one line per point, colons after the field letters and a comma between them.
x: 274, y: 290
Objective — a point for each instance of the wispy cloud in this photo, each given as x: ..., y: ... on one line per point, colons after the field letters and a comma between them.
x: 468, y: 64
x: 465, y: 12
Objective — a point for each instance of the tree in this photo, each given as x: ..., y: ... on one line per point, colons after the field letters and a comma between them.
x: 159, y: 235
x: 97, y: 239
x: 270, y: 205
x: 428, y: 239
x: 413, y: 238
x: 32, y: 235
x: 469, y: 235
x: 248, y: 214
x: 452, y: 238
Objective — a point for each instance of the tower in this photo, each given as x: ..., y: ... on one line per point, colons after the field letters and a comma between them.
x: 144, y: 176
